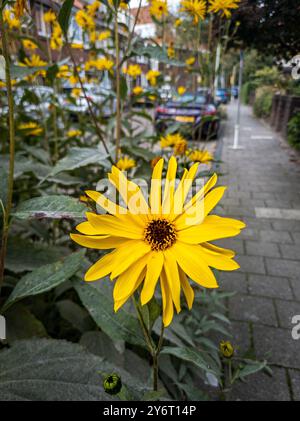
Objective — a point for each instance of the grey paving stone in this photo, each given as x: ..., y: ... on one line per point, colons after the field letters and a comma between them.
x: 281, y: 204
x: 290, y: 251
x: 270, y: 286
x: 280, y: 267
x: 234, y: 244
x: 252, y: 202
x: 251, y: 264
x: 283, y: 349
x: 282, y: 237
x: 296, y: 237
x: 259, y: 248
x: 240, y: 337
x: 254, y: 309
x: 295, y: 282
x: 295, y: 380
x: 283, y: 225
x: 286, y: 310
x: 249, y: 233
x: 233, y: 281
x: 263, y: 195
x: 238, y: 194
x: 262, y: 387
x: 257, y: 223
x: 236, y: 211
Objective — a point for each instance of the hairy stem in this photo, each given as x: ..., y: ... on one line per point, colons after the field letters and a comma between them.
x: 10, y: 184
x: 118, y: 90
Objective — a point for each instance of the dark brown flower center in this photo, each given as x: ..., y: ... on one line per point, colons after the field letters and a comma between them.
x: 160, y: 234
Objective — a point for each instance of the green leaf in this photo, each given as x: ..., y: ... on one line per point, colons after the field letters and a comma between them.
x: 154, y: 311
x: 194, y: 356
x: 51, y: 370
x: 22, y: 324
x: 77, y: 158
x: 19, y: 72
x: 123, y: 88
x: 22, y: 255
x: 64, y: 15
x: 53, y: 207
x: 251, y: 368
x: 2, y: 67
x: 120, y: 325
x: 45, y: 278
x: 77, y: 316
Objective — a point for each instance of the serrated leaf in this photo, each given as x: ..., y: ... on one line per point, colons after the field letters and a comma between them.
x: 65, y: 14
x: 51, y: 370
x: 19, y: 72
x: 194, y: 356
x: 22, y: 324
x: 53, y: 207
x: 77, y: 158
x: 123, y: 88
x: 120, y: 325
x: 45, y: 278
x: 251, y: 368
x: 22, y: 255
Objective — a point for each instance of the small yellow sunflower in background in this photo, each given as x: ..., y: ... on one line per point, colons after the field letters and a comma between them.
x: 31, y: 128
x: 104, y: 35
x: 152, y: 76
x: 170, y: 140
x: 74, y: 133
x: 223, y: 6
x: 28, y: 44
x: 181, y: 90
x: 133, y: 70
x: 159, y: 9
x: 125, y: 163
x: 171, y: 52
x: 178, y: 22
x: 195, y: 8
x: 203, y: 157
x: 190, y: 61
x: 226, y: 349
x: 165, y: 240
x: 180, y: 147
x: 49, y: 17
x: 137, y: 90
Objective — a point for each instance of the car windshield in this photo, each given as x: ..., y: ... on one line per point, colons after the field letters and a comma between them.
x: 198, y: 99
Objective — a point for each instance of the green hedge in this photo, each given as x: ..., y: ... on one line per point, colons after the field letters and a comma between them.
x: 263, y: 101
x: 294, y: 131
x: 247, y: 88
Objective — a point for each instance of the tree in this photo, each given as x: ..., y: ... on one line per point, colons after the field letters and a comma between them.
x: 270, y: 26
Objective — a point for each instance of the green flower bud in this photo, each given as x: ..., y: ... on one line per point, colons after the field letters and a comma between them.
x: 226, y: 349
x: 112, y: 384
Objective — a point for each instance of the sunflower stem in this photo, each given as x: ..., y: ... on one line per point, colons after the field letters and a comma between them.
x: 6, y: 214
x: 118, y: 89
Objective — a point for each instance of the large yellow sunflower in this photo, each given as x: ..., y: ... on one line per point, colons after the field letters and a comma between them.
x: 165, y: 240
x: 224, y: 6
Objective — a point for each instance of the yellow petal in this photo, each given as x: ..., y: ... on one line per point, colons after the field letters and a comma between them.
x: 187, y: 289
x: 118, y: 303
x: 212, y: 228
x: 130, y: 192
x: 168, y: 198
x: 154, y: 268
x: 111, y: 225
x: 190, y: 262
x: 168, y: 309
x: 215, y: 260
x: 155, y: 192
x: 106, y: 203
x: 172, y: 276
x: 215, y: 249
x: 98, y: 241
x: 127, y: 255
x: 87, y: 228
x: 125, y: 283
x: 212, y: 199
x: 101, y: 268
x: 202, y: 192
x: 184, y: 188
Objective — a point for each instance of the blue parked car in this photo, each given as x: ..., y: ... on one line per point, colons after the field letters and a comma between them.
x: 221, y: 96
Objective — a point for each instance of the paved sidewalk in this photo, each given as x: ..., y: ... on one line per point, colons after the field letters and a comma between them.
x: 268, y: 284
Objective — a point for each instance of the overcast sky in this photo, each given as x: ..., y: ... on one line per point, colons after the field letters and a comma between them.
x: 135, y: 3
